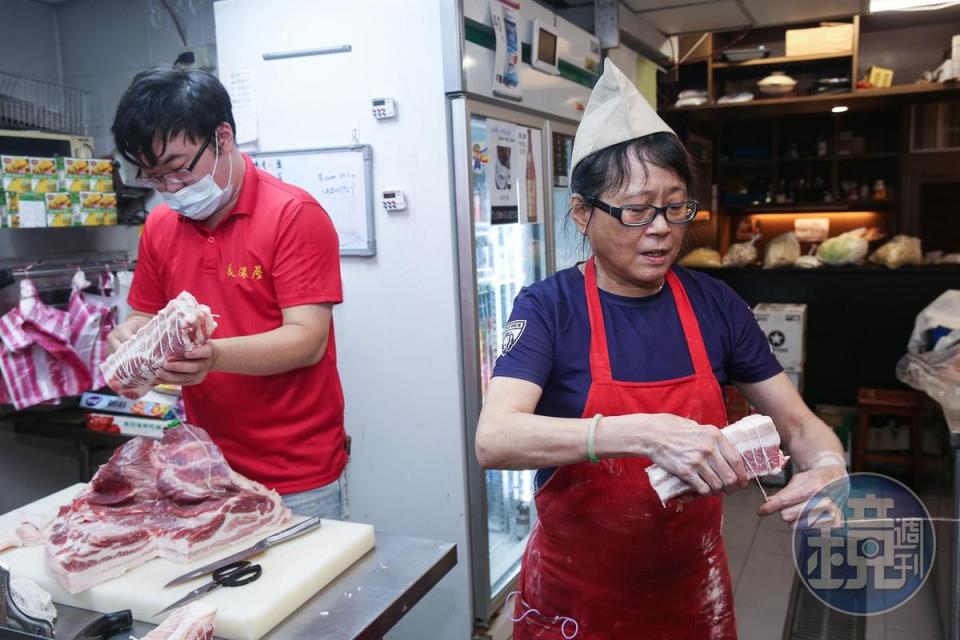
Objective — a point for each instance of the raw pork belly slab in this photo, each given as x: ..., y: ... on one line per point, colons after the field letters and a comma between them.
x: 21, y: 529
x: 757, y: 440
x: 179, y: 327
x: 191, y: 622
x: 174, y: 498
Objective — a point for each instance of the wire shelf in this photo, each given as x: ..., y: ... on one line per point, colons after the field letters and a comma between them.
x: 27, y: 103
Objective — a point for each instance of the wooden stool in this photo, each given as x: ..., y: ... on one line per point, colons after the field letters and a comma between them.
x: 889, y: 402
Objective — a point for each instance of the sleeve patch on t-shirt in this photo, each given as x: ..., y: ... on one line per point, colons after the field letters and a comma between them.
x: 511, y: 334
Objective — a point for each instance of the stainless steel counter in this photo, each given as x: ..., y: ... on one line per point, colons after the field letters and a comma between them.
x: 365, y: 601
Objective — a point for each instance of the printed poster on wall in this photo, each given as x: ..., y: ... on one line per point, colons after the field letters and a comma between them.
x: 503, y: 171
x: 529, y: 146
x: 505, y: 16
x: 240, y: 86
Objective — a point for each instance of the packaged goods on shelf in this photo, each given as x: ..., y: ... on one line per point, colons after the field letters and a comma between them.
x: 16, y: 173
x: 702, y: 257
x: 9, y: 209
x: 117, y: 404
x: 823, y: 40
x: 98, y: 208
x: 782, y: 251
x: 741, y: 254
x: 73, y: 174
x: 126, y: 425
x: 847, y: 248
x: 900, y: 250
x: 101, y: 175
x: 43, y: 174
x: 32, y: 209
x: 62, y: 208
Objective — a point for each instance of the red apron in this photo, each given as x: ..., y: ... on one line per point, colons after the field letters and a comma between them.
x: 606, y: 560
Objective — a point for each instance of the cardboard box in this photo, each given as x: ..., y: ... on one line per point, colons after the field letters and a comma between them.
x: 92, y: 206
x: 784, y: 325
x: 32, y: 209
x: 43, y: 175
x: 16, y: 173
x: 117, y: 404
x: 73, y: 174
x: 108, y: 208
x: 126, y: 425
x: 101, y: 175
x: 823, y: 40
x: 62, y: 207
x: 10, y: 209
x: 879, y: 76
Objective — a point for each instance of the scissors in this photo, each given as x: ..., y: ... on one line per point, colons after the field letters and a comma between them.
x: 235, y: 574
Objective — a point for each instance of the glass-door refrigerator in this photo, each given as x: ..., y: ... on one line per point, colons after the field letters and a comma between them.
x: 505, y: 221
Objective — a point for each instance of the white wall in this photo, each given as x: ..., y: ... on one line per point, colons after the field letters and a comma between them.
x: 397, y: 331
x: 106, y: 42
x: 28, y: 40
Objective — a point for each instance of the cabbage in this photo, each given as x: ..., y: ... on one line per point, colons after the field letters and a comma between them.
x: 782, y: 251
x: 846, y: 248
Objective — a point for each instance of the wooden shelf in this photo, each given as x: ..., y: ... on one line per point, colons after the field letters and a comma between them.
x: 877, y: 155
x: 840, y: 206
x: 805, y: 160
x: 861, y: 98
x: 780, y: 60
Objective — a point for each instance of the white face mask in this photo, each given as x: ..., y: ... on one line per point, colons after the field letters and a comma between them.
x: 199, y: 201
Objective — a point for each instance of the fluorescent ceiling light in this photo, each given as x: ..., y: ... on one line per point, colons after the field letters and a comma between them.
x: 909, y: 5
x: 840, y: 108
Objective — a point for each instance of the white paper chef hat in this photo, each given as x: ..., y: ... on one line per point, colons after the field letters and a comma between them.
x: 616, y: 112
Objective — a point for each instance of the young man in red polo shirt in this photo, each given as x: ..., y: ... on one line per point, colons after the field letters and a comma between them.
x: 265, y: 257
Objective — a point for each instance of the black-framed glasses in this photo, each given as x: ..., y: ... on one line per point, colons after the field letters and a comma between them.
x: 178, y: 177
x: 637, y: 215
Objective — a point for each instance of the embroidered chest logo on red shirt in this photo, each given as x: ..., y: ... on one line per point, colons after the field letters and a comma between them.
x: 243, y: 272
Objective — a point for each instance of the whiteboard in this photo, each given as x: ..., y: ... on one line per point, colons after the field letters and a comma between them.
x: 341, y: 179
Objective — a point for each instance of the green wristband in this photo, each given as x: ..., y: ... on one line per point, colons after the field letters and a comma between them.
x: 591, y: 451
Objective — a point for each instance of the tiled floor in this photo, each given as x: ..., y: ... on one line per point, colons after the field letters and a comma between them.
x: 761, y: 565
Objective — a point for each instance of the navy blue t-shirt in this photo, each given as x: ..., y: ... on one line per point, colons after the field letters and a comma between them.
x: 644, y: 337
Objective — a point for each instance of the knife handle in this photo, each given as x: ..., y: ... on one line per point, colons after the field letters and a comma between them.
x: 292, y: 532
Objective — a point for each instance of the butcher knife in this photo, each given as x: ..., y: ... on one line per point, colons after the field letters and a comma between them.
x: 281, y: 536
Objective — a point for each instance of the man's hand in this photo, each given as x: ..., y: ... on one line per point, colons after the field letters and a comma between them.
x: 791, y: 500
x: 125, y: 330
x: 192, y: 368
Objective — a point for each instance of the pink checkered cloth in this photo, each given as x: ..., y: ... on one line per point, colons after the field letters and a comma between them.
x: 37, y: 361
x: 91, y: 319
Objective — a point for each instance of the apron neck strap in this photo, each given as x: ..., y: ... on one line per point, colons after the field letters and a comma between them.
x: 599, y: 352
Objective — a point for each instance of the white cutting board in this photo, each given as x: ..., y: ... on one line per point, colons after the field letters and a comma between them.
x: 292, y: 573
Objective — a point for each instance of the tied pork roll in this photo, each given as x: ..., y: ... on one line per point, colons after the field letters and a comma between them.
x: 757, y: 440
x: 179, y: 327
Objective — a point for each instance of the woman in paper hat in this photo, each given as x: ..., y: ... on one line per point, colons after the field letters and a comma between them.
x: 615, y: 363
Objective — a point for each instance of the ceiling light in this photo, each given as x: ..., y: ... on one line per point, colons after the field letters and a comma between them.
x: 908, y: 5
x: 840, y: 108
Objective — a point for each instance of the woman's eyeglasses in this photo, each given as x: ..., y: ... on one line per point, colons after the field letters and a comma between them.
x: 637, y: 215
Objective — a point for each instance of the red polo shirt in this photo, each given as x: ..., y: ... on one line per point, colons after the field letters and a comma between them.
x: 276, y: 249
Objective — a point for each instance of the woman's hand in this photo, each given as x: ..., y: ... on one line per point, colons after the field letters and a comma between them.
x: 791, y: 500
x: 698, y: 454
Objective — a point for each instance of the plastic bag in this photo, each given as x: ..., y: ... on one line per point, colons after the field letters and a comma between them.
x: 740, y: 254
x: 935, y: 372
x: 899, y: 251
x: 702, y: 257
x: 846, y: 248
x: 782, y: 251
